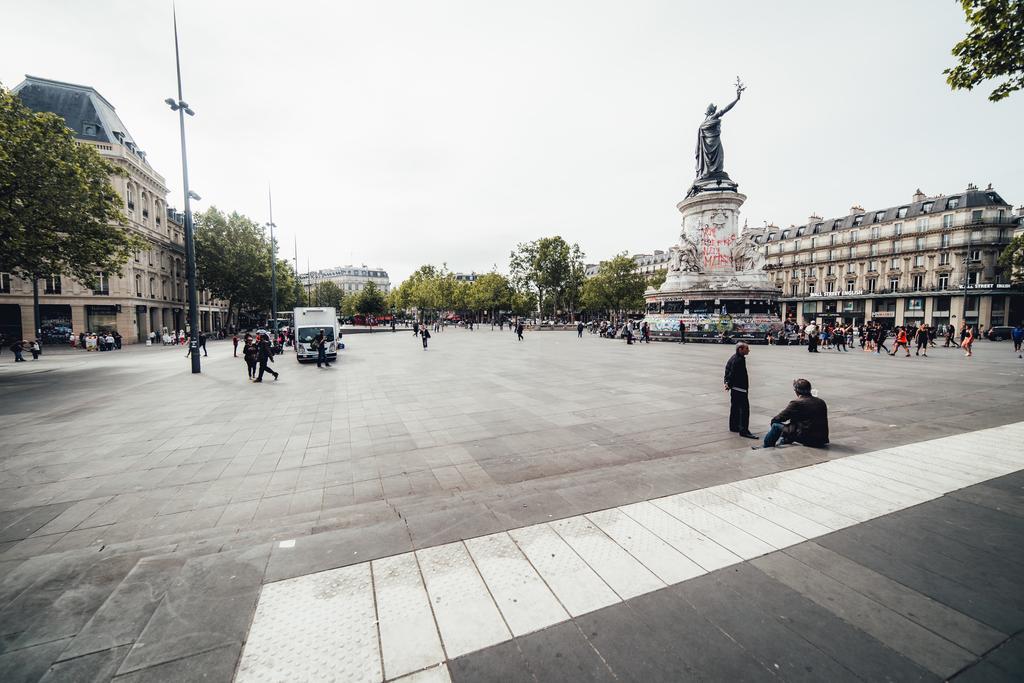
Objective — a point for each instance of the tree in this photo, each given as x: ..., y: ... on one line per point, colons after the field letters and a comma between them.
x: 1012, y: 258
x: 993, y: 48
x: 59, y: 212
x: 328, y: 294
x: 490, y: 292
x: 616, y: 287
x: 550, y: 267
x: 657, y: 278
x: 370, y: 301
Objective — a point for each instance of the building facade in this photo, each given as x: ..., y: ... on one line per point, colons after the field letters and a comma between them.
x: 932, y: 260
x: 351, y: 279
x: 150, y: 294
x: 644, y: 264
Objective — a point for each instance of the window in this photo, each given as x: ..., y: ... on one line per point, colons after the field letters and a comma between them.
x: 922, y: 224
x: 944, y: 258
x: 902, y: 212
x: 894, y: 264
x: 854, y: 235
x: 831, y: 270
x: 897, y: 246
x: 872, y: 266
x: 794, y: 289
x: 858, y: 220
x: 796, y: 245
x: 152, y: 287
x: 150, y: 257
x: 810, y: 288
x: 130, y: 196
x: 945, y: 241
x: 879, y: 217
x: 915, y: 304
x: 830, y: 286
x: 837, y: 224
x: 897, y: 229
x: 894, y: 284
x: 952, y: 202
x: 944, y: 281
x: 975, y: 255
x: 138, y: 285
x: 5, y: 283
x: 873, y: 250
x: 919, y: 243
x: 814, y: 242
x: 102, y: 285
x: 851, y: 252
x: 850, y: 284
x: 871, y: 285
x: 926, y: 207
x: 972, y: 278
x: 831, y: 254
x: 817, y: 227
x: 970, y: 303
x: 919, y: 261
x: 51, y: 284
x: 975, y: 235
x: 832, y: 240
x: 874, y: 233
x: 918, y: 282
x: 850, y: 268
x: 947, y: 220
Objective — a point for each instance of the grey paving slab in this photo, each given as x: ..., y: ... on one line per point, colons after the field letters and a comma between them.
x: 338, y: 548
x: 29, y: 664
x: 562, y: 652
x: 98, y: 666
x: 500, y: 663
x: 213, y: 665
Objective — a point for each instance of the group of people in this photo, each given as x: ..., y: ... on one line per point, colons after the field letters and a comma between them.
x: 873, y: 336
x: 95, y: 341
x: 804, y: 420
x: 20, y: 346
x: 258, y: 351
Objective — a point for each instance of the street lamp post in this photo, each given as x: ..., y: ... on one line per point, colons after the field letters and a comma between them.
x: 182, y: 108
x: 273, y: 264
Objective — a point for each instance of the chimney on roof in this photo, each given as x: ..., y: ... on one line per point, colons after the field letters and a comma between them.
x: 989, y: 188
x: 918, y: 196
x: 813, y: 218
x: 856, y: 208
x: 971, y: 187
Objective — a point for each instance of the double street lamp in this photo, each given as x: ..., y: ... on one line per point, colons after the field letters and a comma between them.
x: 179, y: 105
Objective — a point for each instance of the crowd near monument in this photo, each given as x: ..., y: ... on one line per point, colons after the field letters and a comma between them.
x: 716, y: 284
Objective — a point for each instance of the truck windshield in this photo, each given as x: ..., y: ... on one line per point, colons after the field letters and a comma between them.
x: 308, y: 334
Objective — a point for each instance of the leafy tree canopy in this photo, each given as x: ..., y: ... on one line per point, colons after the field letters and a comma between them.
x: 992, y: 49
x: 59, y: 212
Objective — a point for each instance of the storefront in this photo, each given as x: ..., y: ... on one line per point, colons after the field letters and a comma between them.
x: 101, y: 318
x: 55, y: 323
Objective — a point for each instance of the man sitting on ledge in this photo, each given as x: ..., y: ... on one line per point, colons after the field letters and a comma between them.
x: 807, y: 418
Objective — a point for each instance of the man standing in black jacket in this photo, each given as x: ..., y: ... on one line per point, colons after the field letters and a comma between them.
x: 737, y: 384
x: 265, y: 354
x: 803, y: 421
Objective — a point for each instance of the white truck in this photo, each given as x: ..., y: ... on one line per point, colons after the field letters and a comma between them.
x: 308, y: 323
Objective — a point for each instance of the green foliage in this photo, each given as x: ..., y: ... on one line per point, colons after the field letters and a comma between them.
x: 370, y: 300
x: 616, y: 287
x: 1012, y: 258
x: 233, y: 262
x: 657, y: 278
x: 550, y: 267
x: 328, y: 294
x: 490, y: 292
x: 993, y: 48
x: 59, y: 213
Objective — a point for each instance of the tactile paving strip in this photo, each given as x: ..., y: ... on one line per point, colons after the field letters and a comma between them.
x: 439, y: 603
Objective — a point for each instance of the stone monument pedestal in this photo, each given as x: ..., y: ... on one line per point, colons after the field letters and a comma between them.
x: 716, y: 284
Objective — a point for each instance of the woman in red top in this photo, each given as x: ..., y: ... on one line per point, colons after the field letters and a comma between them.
x: 968, y: 342
x: 901, y: 340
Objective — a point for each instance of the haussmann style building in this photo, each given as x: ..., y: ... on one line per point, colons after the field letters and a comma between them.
x: 151, y: 293
x: 932, y: 260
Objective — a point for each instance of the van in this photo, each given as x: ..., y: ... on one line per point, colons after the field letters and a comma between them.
x: 308, y: 323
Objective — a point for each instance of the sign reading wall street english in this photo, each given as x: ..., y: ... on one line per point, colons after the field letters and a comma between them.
x: 855, y: 292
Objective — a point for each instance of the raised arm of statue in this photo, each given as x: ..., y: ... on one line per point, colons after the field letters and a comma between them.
x: 739, y: 92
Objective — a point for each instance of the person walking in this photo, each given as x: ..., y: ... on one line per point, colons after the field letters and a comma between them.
x: 1018, y: 337
x: 321, y: 348
x: 921, y: 338
x: 234, y: 345
x: 901, y: 340
x: 18, y: 347
x: 250, y: 352
x: 737, y: 384
x: 425, y: 335
x: 519, y: 330
x: 202, y: 343
x: 415, y: 329
x: 682, y: 332
x: 950, y: 332
x: 265, y: 354
x: 579, y: 330
x: 812, y: 337
x: 968, y: 342
x: 880, y: 334
x: 840, y: 339
x: 645, y: 332
x: 803, y: 421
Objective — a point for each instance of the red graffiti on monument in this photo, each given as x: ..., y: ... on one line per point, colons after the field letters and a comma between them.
x: 715, y: 251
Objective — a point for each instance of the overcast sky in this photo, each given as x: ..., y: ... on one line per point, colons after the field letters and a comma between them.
x: 401, y: 133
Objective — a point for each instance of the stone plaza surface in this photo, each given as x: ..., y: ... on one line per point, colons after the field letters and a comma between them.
x: 143, y: 509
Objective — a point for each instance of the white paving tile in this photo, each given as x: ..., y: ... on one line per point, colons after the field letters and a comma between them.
x: 319, y: 627
x: 575, y: 584
x: 840, y: 498
x: 435, y: 674
x: 522, y: 596
x: 667, y: 563
x: 877, y: 476
x: 408, y: 635
x: 620, y: 570
x: 687, y: 540
x: 770, y: 490
x: 714, y: 527
x: 755, y: 525
x: 893, y: 499
x: 466, y: 614
x: 788, y: 519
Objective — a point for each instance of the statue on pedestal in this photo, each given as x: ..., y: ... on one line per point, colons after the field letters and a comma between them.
x: 710, y: 156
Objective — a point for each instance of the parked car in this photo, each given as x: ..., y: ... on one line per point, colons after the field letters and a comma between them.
x: 998, y: 333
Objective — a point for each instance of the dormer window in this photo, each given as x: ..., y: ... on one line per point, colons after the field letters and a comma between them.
x: 902, y: 212
x: 927, y: 207
x: 799, y: 231
x: 879, y: 216
x: 858, y: 219
x: 952, y: 202
x: 837, y: 224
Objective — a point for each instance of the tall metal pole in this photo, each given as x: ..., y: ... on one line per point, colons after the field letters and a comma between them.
x: 298, y: 287
x: 190, y: 245
x: 273, y: 264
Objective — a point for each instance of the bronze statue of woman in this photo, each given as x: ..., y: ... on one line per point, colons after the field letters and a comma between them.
x: 710, y: 155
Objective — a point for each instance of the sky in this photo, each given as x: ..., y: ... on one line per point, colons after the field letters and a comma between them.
x: 398, y: 133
